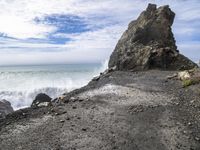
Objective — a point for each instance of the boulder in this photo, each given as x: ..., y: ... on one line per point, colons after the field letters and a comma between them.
x: 184, y: 75
x: 5, y: 108
x: 41, y: 100
x: 149, y: 43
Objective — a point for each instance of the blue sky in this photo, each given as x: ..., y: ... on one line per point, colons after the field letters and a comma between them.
x: 82, y: 31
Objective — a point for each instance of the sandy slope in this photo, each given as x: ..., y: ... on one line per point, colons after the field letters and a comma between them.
x: 123, y: 110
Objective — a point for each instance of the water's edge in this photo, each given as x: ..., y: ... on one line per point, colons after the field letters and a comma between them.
x: 20, y: 84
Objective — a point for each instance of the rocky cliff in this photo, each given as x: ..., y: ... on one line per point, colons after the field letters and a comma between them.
x: 149, y: 43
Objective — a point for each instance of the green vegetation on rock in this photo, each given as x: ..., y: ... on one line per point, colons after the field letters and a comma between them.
x: 187, y: 82
x: 192, y: 81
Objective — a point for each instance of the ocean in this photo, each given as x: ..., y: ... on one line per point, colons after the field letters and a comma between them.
x: 20, y: 84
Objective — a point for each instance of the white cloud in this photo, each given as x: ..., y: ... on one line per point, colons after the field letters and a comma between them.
x: 92, y: 46
x: 17, y: 21
x: 17, y: 27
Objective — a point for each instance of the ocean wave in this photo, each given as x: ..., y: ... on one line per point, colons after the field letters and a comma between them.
x: 21, y: 87
x: 21, y: 99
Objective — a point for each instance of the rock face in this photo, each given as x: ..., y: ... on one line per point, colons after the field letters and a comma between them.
x: 148, y: 43
x: 41, y: 100
x: 5, y: 108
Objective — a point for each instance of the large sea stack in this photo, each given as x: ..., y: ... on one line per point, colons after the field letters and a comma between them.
x: 149, y: 43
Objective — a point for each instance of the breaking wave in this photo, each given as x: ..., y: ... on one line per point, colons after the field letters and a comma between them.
x: 20, y: 85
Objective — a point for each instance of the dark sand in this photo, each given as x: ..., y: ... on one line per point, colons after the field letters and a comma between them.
x: 122, y: 110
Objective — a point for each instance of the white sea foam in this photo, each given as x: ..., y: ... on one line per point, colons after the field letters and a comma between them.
x: 20, y: 84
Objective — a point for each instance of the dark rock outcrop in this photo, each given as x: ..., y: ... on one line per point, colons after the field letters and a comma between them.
x: 41, y: 100
x: 5, y: 108
x: 148, y: 43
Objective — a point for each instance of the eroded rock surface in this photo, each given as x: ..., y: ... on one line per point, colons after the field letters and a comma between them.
x: 148, y: 43
x: 5, y: 108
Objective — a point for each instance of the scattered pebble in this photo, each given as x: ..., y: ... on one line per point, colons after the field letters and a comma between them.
x: 61, y: 121
x: 112, y: 113
x: 84, y: 129
x: 185, y: 132
x: 74, y: 107
x: 24, y: 114
x: 192, y: 101
x: 96, y: 78
x: 176, y: 103
x: 93, y: 107
x: 64, y: 112
x: 80, y: 100
x: 197, y: 138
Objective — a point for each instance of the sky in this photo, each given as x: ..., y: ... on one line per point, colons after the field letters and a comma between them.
x: 82, y: 31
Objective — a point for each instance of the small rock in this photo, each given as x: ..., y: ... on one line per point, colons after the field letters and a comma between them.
x: 44, y: 104
x: 24, y: 114
x: 176, y: 103
x: 112, y: 113
x: 183, y: 75
x: 84, y: 129
x: 115, y: 147
x: 61, y: 121
x: 185, y: 132
x: 74, y: 107
x: 192, y: 101
x: 73, y: 99
x: 93, y: 107
x: 41, y: 100
x: 197, y: 138
x: 80, y: 100
x: 5, y: 108
x: 172, y: 76
x: 61, y: 98
x: 64, y: 112
x: 96, y: 78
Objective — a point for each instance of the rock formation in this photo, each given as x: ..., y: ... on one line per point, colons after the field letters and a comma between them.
x: 148, y: 43
x: 5, y: 108
x: 41, y: 100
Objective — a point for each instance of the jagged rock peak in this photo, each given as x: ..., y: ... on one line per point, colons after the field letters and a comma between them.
x: 149, y: 43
